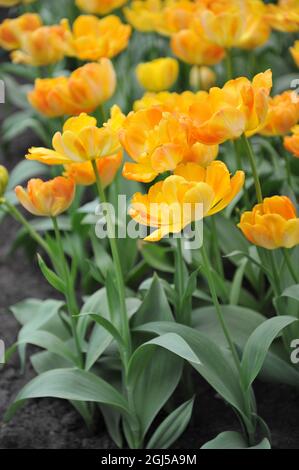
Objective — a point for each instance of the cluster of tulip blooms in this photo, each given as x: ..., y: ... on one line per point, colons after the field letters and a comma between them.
x: 178, y: 142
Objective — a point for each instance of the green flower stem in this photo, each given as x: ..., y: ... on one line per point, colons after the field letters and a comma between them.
x: 221, y: 319
x: 289, y: 264
x: 251, y: 157
x: 118, y: 269
x: 209, y: 275
x: 229, y: 65
x: 69, y: 294
x: 216, y: 247
x: 125, y: 327
x: 180, y: 277
x: 16, y: 214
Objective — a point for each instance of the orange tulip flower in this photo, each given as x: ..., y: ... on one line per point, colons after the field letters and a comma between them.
x: 94, y: 38
x: 272, y: 224
x: 43, y: 46
x: 87, y: 88
x: 172, y: 204
x: 291, y: 143
x: 47, y: 199
x: 196, y: 49
x: 226, y: 113
x: 83, y: 173
x: 81, y: 141
x: 99, y: 7
x: 283, y: 114
x: 284, y: 17
x: 144, y: 15
x: 11, y: 30
x: 172, y: 102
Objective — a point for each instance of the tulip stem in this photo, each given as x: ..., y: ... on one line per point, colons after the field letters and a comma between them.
x: 289, y: 264
x: 251, y: 157
x: 16, y: 214
x: 210, y: 279
x: 69, y: 292
x: 180, y: 276
x: 229, y: 64
x: 246, y: 393
x: 117, y: 263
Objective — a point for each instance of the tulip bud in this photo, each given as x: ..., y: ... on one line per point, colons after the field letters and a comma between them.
x: 3, y: 179
x: 202, y: 78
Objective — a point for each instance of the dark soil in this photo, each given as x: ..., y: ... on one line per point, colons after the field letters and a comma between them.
x: 54, y: 424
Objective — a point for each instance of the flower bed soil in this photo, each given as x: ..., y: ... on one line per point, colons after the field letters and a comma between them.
x: 53, y: 423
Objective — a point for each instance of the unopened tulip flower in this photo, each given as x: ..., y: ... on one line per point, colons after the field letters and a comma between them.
x: 47, y: 199
x: 44, y: 46
x: 283, y: 114
x: 226, y: 113
x: 4, y: 177
x: 87, y: 88
x: 202, y: 78
x: 159, y: 74
x: 99, y: 7
x: 83, y: 173
x: 272, y: 224
x: 196, y: 49
x: 171, y: 204
x: 291, y: 143
x: 94, y: 38
x: 81, y: 141
x: 295, y: 52
x: 12, y: 29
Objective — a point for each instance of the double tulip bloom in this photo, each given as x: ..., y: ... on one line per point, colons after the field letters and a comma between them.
x: 158, y: 141
x: 159, y: 74
x: 193, y: 192
x: 81, y: 141
x: 47, y: 199
x: 83, y: 173
x: 283, y: 114
x: 12, y: 30
x: 44, y: 46
x: 87, y: 88
x: 99, y: 7
x: 272, y: 224
x: 94, y: 38
x: 226, y: 113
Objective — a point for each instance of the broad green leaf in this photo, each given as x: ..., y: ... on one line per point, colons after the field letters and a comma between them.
x: 25, y: 170
x: 157, y: 257
x: 233, y: 440
x: 213, y: 364
x: 241, y: 323
x: 69, y: 384
x: 50, y: 342
x: 45, y: 361
x: 153, y: 372
x: 172, y: 427
x: 237, y: 283
x: 155, y: 305
x: 52, y: 278
x: 258, y: 345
